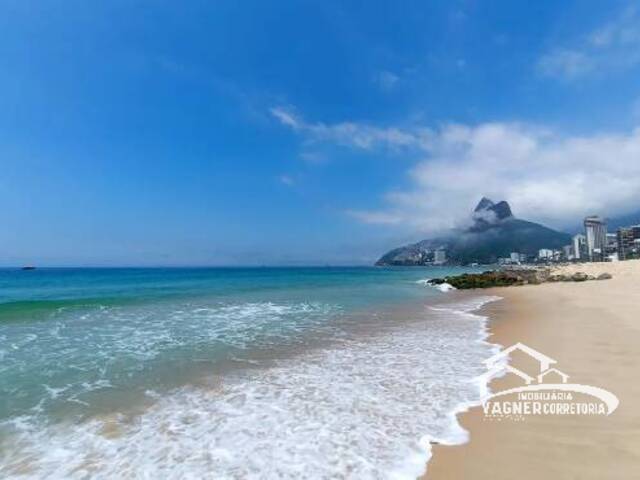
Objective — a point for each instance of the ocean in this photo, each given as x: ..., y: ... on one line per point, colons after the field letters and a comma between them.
x: 232, y: 373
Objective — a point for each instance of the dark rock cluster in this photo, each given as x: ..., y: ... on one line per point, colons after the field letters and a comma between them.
x: 507, y: 278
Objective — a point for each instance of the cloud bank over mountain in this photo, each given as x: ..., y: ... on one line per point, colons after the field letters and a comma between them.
x: 548, y: 177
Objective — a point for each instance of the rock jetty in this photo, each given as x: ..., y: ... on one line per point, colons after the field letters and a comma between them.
x: 508, y: 278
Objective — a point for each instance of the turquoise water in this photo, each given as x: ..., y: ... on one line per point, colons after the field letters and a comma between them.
x: 125, y: 351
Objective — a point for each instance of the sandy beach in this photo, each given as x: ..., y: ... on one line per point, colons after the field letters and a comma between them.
x: 593, y: 330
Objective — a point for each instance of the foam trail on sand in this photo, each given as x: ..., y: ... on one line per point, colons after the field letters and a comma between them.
x: 458, y: 435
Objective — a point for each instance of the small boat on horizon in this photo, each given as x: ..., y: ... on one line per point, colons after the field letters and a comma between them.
x: 28, y: 267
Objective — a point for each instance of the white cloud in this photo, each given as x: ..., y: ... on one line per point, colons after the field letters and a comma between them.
x: 622, y: 31
x: 613, y: 46
x: 386, y: 80
x: 567, y: 64
x: 545, y: 177
x: 286, y: 117
x: 353, y: 134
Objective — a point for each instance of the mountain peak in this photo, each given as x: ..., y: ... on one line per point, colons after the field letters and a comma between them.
x: 489, y: 212
x: 484, y: 204
x: 502, y: 210
x: 494, y: 233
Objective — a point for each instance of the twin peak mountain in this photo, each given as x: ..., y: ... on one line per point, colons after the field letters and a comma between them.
x: 494, y: 232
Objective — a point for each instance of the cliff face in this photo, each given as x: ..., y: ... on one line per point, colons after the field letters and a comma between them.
x: 494, y: 233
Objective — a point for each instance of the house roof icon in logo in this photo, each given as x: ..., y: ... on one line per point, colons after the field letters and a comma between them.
x: 497, y: 364
x: 508, y: 368
x: 564, y: 377
x: 544, y: 361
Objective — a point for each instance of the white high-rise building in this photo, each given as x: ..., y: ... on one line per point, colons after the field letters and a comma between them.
x: 579, y: 247
x: 596, y: 232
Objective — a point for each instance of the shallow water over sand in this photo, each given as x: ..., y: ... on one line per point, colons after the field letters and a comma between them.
x: 341, y: 373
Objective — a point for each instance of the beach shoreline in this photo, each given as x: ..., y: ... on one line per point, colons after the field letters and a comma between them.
x: 591, y: 330
x: 234, y: 373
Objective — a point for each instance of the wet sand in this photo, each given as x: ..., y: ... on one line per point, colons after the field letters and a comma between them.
x: 593, y: 330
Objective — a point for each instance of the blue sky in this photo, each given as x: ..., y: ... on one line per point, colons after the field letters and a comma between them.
x: 228, y: 132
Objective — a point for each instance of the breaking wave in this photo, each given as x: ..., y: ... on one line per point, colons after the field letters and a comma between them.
x: 365, y: 405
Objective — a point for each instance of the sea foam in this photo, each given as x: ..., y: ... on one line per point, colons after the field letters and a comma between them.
x: 366, y: 406
x: 443, y: 287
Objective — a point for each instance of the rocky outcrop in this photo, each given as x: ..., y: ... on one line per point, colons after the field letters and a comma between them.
x: 507, y: 278
x: 579, y: 277
x: 487, y: 212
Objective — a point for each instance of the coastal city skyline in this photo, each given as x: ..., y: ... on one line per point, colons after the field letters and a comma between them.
x: 594, y: 244
x: 493, y: 234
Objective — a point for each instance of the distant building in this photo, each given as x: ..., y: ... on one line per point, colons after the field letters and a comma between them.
x: 596, y: 232
x: 627, y: 242
x: 579, y: 247
x: 514, y: 258
x: 545, y: 254
x: 567, y: 252
x: 440, y: 256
